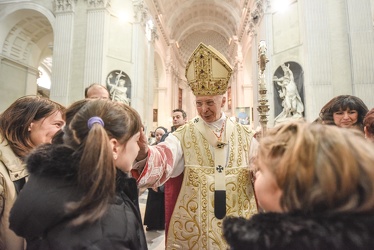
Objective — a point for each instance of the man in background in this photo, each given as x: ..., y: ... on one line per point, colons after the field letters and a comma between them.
x: 96, y: 91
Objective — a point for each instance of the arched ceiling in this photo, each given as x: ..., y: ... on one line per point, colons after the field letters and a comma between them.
x: 31, y: 30
x: 189, y: 22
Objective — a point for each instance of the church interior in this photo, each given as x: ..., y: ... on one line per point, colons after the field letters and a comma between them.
x: 56, y: 48
x: 283, y: 53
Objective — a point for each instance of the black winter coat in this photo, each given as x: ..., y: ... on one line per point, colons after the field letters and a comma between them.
x: 39, y: 216
x: 281, y: 231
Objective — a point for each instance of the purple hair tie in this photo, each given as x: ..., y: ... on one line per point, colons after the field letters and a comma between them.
x: 94, y: 119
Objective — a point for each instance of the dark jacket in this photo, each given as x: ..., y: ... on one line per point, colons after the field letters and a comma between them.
x: 39, y: 215
x: 299, y: 231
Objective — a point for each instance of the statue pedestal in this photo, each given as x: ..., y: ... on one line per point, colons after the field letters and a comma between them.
x: 280, y: 120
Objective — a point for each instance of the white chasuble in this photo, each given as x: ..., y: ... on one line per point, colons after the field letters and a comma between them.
x: 193, y: 224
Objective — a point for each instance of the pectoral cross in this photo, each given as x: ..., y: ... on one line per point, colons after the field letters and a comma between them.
x: 219, y: 169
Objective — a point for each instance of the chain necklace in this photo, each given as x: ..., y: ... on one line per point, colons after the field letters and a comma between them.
x: 219, y: 131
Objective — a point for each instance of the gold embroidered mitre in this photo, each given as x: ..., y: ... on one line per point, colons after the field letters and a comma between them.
x: 208, y: 71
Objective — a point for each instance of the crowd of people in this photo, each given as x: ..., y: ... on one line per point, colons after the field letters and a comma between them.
x: 70, y: 177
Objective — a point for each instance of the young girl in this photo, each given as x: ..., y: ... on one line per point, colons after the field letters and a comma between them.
x: 316, y: 186
x: 78, y: 195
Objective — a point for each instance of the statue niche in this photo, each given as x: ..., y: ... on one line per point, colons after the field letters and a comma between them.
x: 288, y: 83
x: 119, y: 86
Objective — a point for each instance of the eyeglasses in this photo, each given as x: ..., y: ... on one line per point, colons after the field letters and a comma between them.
x: 209, y: 103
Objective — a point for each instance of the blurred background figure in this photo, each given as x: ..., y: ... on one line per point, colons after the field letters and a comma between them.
x: 159, y: 132
x: 345, y: 111
x: 316, y: 186
x: 27, y: 123
x: 96, y: 91
x: 369, y: 125
x: 154, y: 216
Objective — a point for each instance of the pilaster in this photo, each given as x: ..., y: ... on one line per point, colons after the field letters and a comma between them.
x: 63, y: 43
x: 96, y: 41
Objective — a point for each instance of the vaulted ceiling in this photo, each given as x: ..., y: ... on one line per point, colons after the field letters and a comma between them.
x: 186, y: 23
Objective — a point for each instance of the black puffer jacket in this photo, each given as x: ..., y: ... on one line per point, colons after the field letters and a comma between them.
x: 289, y: 231
x: 38, y: 213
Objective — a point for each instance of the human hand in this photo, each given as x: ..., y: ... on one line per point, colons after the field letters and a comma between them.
x: 143, y: 146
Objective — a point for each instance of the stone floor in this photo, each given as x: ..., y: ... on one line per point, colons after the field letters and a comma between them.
x: 155, y: 239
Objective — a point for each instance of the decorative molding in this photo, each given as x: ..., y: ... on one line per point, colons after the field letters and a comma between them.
x: 256, y: 14
x: 141, y: 12
x: 64, y: 5
x: 154, y: 34
x: 98, y: 3
x: 245, y: 21
x: 159, y: 24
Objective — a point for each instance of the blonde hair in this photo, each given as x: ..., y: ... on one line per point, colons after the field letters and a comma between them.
x: 320, y: 168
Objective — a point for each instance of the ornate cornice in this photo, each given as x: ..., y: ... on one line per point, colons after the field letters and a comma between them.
x: 140, y: 12
x: 256, y: 14
x: 245, y: 21
x: 142, y: 15
x: 159, y: 24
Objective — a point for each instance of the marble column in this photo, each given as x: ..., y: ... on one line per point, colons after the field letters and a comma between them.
x: 96, y: 42
x: 62, y: 47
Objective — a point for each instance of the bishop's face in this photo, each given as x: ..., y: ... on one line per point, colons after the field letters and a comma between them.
x: 210, y: 107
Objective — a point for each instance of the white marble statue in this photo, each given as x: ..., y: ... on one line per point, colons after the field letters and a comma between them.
x: 118, y: 91
x: 292, y: 105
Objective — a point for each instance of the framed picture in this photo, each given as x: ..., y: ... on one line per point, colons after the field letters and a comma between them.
x: 155, y: 114
x: 242, y: 115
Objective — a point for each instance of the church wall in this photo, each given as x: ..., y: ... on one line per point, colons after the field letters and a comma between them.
x: 332, y: 41
x: 12, y: 81
x: 362, y: 49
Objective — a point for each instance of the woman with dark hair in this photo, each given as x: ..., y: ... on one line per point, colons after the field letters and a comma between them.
x: 344, y: 111
x: 27, y: 123
x: 78, y: 195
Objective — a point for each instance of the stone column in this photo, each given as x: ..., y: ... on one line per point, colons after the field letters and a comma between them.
x: 164, y: 91
x: 96, y: 41
x: 138, y: 100
x: 63, y: 43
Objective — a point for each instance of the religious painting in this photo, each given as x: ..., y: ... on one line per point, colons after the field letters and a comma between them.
x: 242, y: 115
x: 119, y: 86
